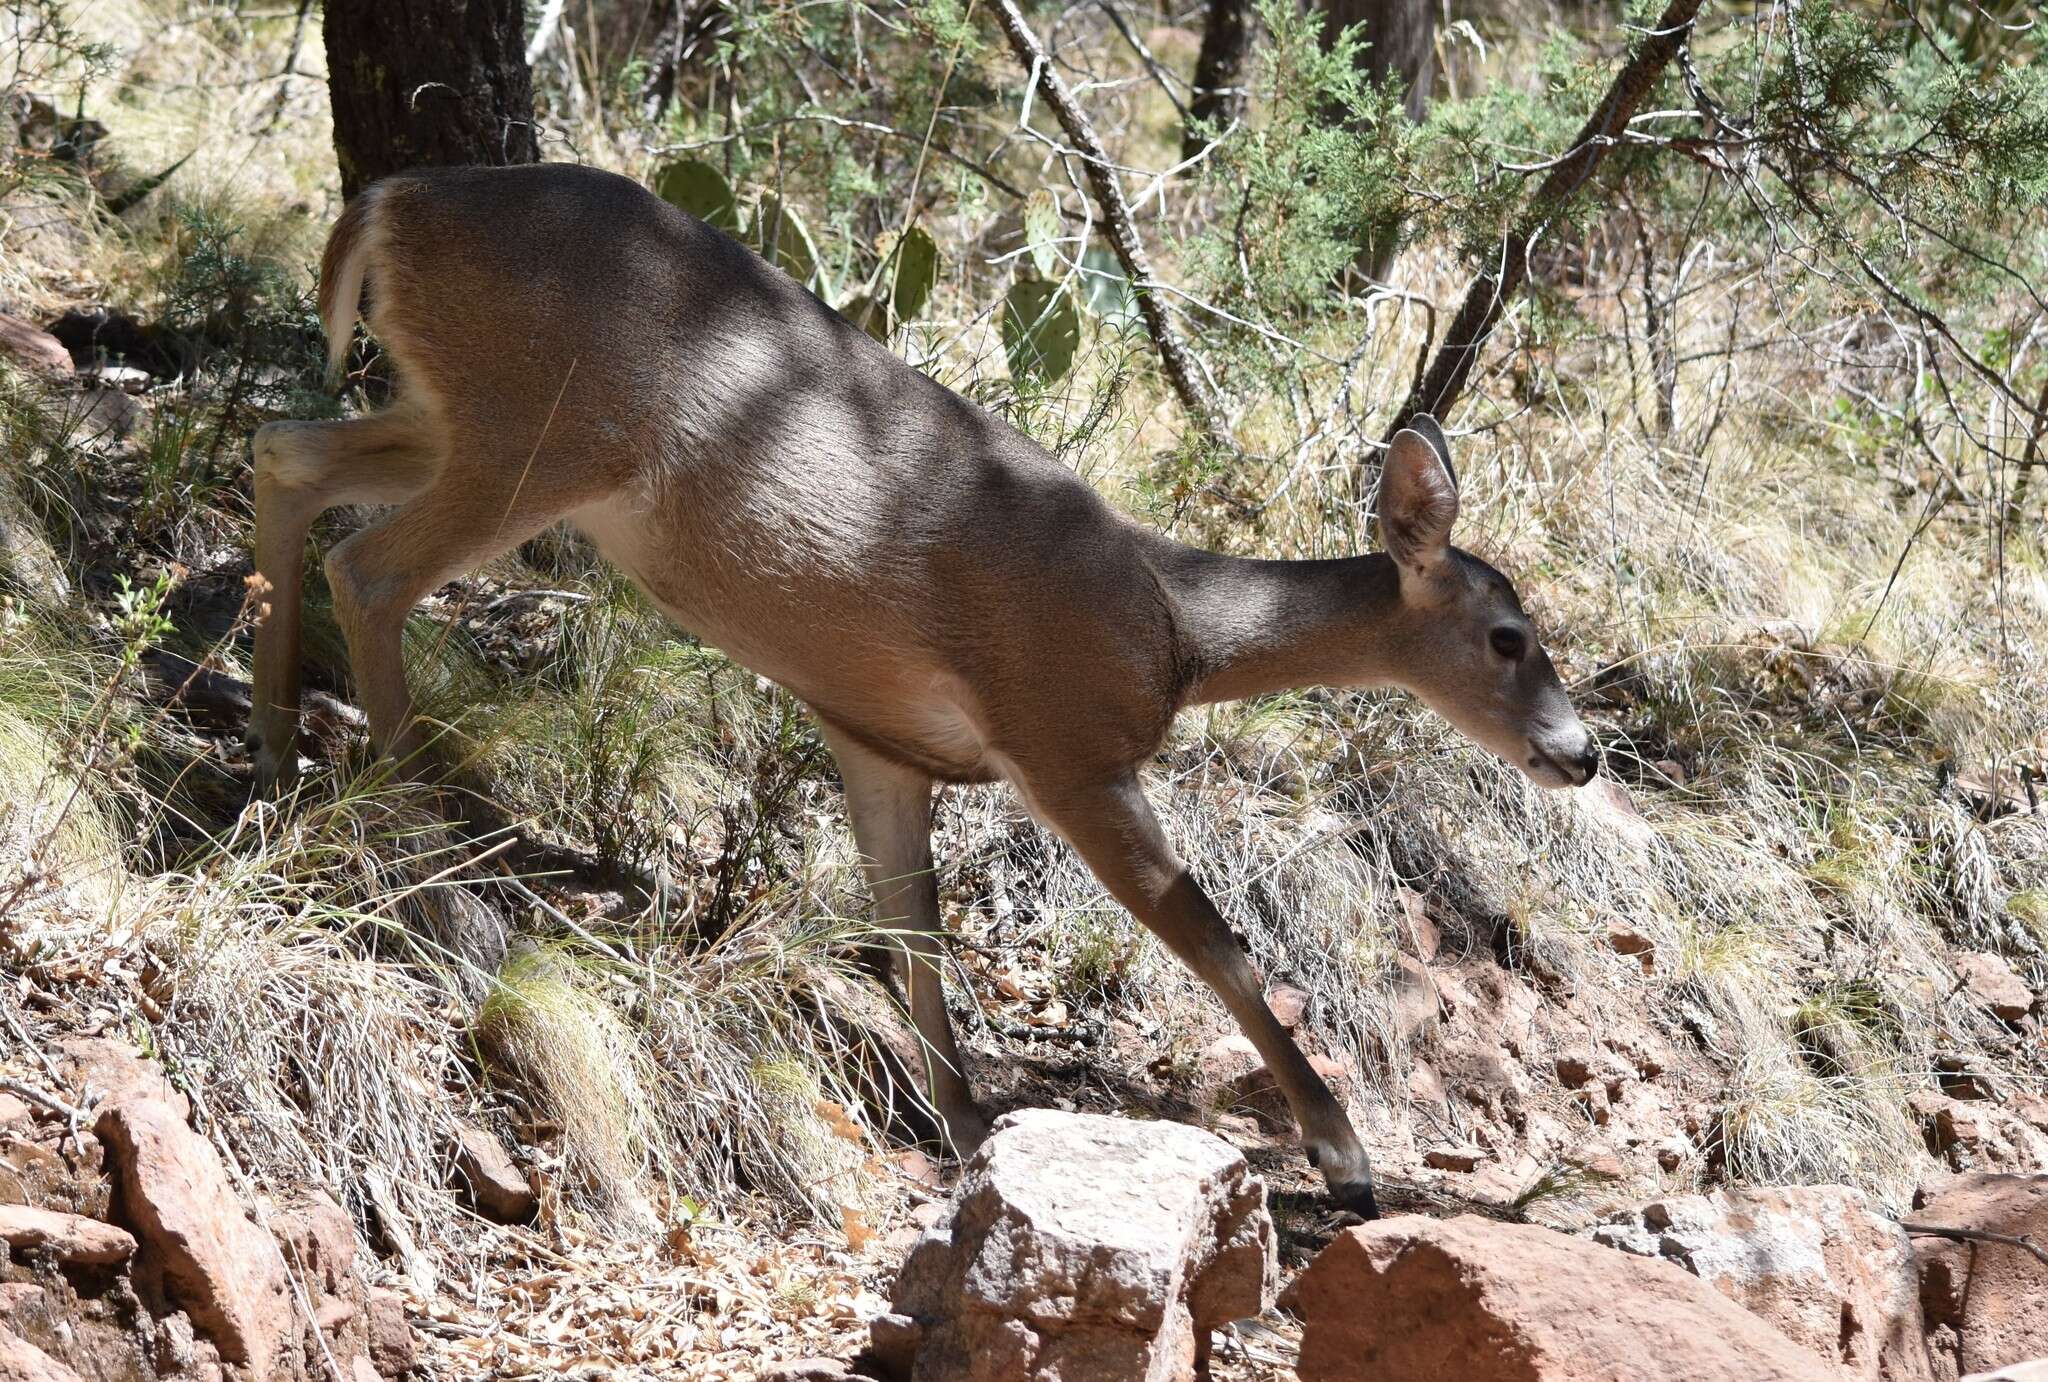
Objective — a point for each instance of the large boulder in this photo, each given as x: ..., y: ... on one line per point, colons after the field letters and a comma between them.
x: 1986, y: 1303
x: 1815, y: 1262
x: 1084, y: 1248
x: 1403, y: 1298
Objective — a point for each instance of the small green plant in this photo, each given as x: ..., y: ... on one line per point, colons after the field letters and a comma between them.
x: 695, y: 186
x: 1041, y: 330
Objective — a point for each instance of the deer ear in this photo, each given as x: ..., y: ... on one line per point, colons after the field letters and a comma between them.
x: 1418, y: 503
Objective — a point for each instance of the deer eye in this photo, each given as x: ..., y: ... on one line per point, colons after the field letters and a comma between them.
x: 1510, y: 643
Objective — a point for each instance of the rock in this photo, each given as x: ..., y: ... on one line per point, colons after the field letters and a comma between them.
x: 1625, y: 939
x: 128, y: 379
x: 1817, y: 1263
x: 1454, y: 1158
x: 1289, y: 1004
x: 807, y: 1370
x: 34, y: 349
x: 1986, y: 1304
x: 1402, y: 1297
x: 1415, y: 1007
x: 113, y: 1071
x: 1976, y: 1136
x: 1053, y: 1270
x: 1990, y: 980
x: 66, y: 1237
x: 493, y: 1185
x: 22, y: 1361
x: 391, y: 1347
x: 197, y: 1245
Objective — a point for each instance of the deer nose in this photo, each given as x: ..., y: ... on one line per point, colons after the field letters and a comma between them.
x: 1585, y: 764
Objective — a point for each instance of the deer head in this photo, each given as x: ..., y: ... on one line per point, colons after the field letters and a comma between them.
x: 1466, y: 648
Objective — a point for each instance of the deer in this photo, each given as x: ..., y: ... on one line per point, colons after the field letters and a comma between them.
x: 950, y: 602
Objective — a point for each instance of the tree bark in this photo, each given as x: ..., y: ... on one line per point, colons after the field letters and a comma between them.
x: 1219, y: 70
x: 427, y: 83
x: 1509, y: 260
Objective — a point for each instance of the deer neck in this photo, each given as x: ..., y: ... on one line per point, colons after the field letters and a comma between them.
x: 1254, y: 627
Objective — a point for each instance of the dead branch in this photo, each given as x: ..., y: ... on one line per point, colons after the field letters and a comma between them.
x: 1181, y: 373
x: 1490, y: 293
x: 1978, y: 1235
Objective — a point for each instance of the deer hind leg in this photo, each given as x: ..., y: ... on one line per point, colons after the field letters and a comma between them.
x: 302, y: 470
x: 1116, y: 833
x: 476, y: 508
x: 891, y: 809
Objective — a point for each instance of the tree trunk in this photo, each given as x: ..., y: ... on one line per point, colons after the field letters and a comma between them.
x: 427, y: 83
x: 1219, y: 70
x: 1401, y: 39
x: 1402, y: 35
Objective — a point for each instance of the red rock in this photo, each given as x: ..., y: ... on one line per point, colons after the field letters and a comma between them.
x: 1289, y: 1004
x: 391, y: 1346
x: 1463, y: 1159
x: 1986, y: 1303
x: 1625, y: 939
x: 34, y: 349
x: 66, y: 1237
x: 1482, y: 1301
x: 1990, y: 980
x: 115, y: 1070
x: 1817, y: 1263
x: 195, y: 1239
x: 22, y: 1361
x: 497, y: 1188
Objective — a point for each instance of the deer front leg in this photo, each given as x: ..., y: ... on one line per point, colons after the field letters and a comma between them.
x: 891, y: 808
x: 1115, y: 831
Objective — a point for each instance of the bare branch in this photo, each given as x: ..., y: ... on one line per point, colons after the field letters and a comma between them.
x: 1181, y: 371
x: 1489, y: 295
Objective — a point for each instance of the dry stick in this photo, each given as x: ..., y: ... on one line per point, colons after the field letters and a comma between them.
x: 2023, y: 1242
x: 1488, y: 297
x: 1123, y: 231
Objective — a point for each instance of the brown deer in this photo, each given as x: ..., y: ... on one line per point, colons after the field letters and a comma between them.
x: 952, y: 603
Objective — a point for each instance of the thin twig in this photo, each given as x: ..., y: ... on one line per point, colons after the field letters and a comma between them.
x: 1489, y: 295
x: 1181, y: 370
x: 2024, y: 1242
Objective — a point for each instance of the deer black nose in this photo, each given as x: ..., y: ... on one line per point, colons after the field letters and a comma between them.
x: 1585, y: 764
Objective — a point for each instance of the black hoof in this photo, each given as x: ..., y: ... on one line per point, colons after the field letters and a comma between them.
x: 1356, y: 1198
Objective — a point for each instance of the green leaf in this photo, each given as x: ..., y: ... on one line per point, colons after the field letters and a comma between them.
x: 1042, y: 226
x: 784, y: 240
x: 870, y: 316
x: 700, y: 189
x: 917, y: 271
x: 1041, y: 329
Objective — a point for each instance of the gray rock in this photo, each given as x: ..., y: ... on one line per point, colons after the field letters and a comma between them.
x: 1816, y: 1262
x: 1086, y: 1248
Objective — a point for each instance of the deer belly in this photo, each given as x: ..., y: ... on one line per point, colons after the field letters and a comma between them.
x: 830, y: 642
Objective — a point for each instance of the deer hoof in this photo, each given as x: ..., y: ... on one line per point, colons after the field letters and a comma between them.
x: 1355, y: 1197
